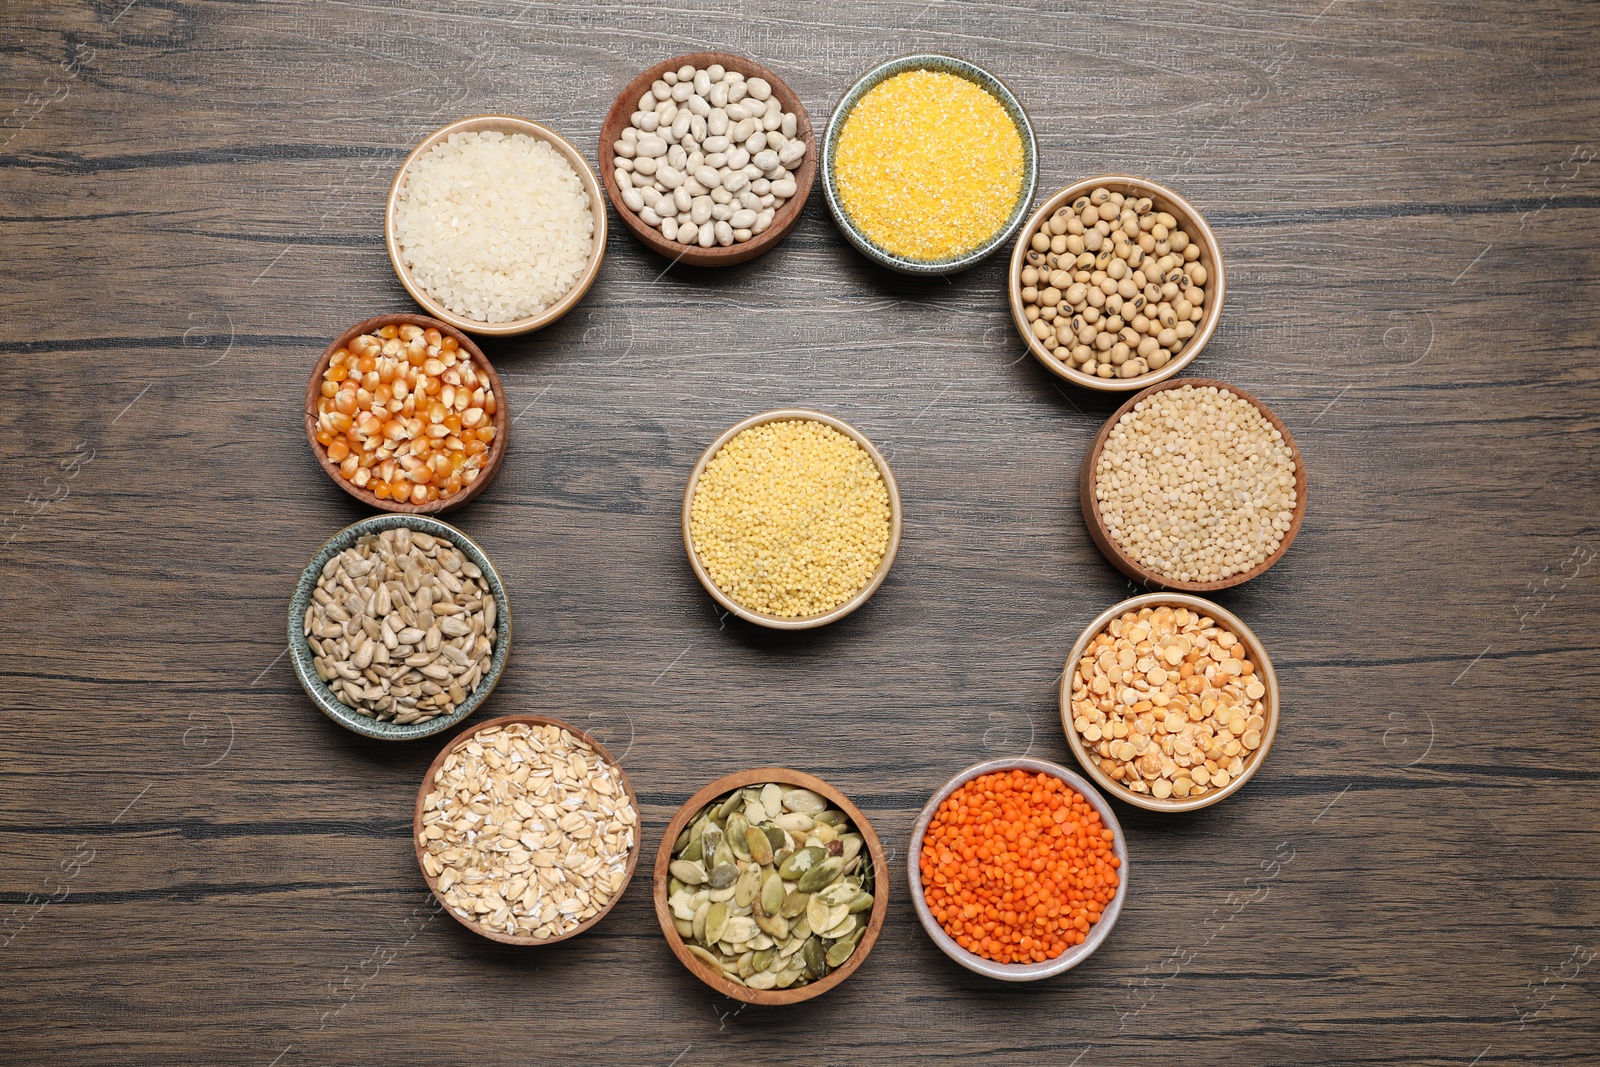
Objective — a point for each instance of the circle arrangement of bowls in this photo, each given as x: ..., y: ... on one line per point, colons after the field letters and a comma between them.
x: 619, y: 118
x: 946, y: 65
x: 506, y: 124
x: 1189, y: 220
x: 1264, y: 671
x: 1090, y: 505
x: 1017, y: 972
x: 300, y: 653
x: 427, y: 787
x: 874, y: 850
x: 501, y: 423
x: 803, y: 622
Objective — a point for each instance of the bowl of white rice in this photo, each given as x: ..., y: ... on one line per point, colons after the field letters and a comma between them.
x: 496, y: 225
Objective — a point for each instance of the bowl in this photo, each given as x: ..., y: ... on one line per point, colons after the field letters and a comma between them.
x: 501, y: 421
x: 1189, y: 220
x: 880, y: 888
x: 300, y: 653
x: 433, y: 882
x: 803, y: 622
x: 619, y: 118
x: 1017, y: 972
x: 507, y: 124
x: 979, y: 77
x: 1090, y: 506
x: 1264, y: 671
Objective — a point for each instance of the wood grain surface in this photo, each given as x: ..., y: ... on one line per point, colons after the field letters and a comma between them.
x: 197, y: 868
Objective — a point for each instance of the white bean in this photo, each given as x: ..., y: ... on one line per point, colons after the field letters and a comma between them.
x: 707, y: 177
x: 743, y: 219
x: 723, y: 233
x: 784, y: 188
x: 759, y: 88
x: 651, y: 146
x: 763, y: 220
x: 708, y: 236
x: 700, y: 209
x: 634, y: 199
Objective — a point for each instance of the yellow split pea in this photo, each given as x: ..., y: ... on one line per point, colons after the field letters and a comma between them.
x: 790, y: 518
x: 929, y: 165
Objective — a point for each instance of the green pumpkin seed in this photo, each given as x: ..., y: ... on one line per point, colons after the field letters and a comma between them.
x: 723, y: 875
x: 746, y: 965
x: 762, y: 980
x: 824, y: 873
x: 724, y: 854
x: 693, y: 852
x: 740, y: 928
x: 772, y: 797
x: 757, y: 847
x: 852, y: 845
x: 722, y: 894
x: 840, y: 929
x: 764, y: 958
x: 862, y: 902
x: 737, y: 825
x: 772, y: 894
x: 710, y: 840
x: 839, y: 952
x: 685, y: 928
x: 699, y: 926
x: 776, y: 837
x: 837, y: 893
x: 716, y: 922
x: 683, y: 840
x: 754, y: 810
x: 687, y: 872
x: 800, y: 928
x: 832, y: 817
x: 789, y: 977
x: 734, y: 801
x: 801, y: 862
x: 794, y: 903
x: 816, y: 958
x: 775, y: 926
x: 748, y: 887
x: 674, y: 887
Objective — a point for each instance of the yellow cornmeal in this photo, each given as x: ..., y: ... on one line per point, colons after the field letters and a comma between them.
x: 790, y: 518
x: 928, y: 165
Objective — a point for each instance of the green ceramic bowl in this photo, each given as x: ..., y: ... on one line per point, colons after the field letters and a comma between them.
x: 979, y: 77
x: 300, y: 651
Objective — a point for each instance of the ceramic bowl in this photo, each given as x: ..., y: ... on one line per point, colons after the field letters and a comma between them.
x: 804, y: 622
x: 620, y: 117
x: 500, y: 421
x: 507, y: 124
x: 979, y: 77
x: 427, y: 787
x: 1258, y: 656
x: 1189, y: 220
x: 1089, y: 504
x: 1018, y: 972
x: 300, y: 653
x: 880, y: 888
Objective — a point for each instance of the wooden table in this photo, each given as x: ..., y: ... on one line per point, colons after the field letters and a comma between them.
x: 197, y: 868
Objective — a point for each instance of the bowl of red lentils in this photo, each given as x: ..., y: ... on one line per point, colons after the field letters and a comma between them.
x: 1018, y: 869
x: 1116, y: 283
x: 406, y: 414
x: 929, y: 164
x: 1169, y: 702
x: 791, y: 519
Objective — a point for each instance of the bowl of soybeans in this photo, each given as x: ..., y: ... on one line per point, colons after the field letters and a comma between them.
x: 1169, y: 702
x: 1116, y: 283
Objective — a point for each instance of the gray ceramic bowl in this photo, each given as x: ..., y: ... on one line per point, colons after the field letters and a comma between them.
x: 300, y: 652
x: 1018, y: 972
x: 984, y: 80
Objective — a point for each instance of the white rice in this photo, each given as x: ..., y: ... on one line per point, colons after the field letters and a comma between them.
x: 495, y: 228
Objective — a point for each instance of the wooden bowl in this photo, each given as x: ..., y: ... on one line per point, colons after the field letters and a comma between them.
x: 803, y: 622
x: 943, y: 64
x: 1090, y: 506
x: 497, y: 447
x: 301, y: 656
x: 880, y: 887
x: 621, y: 115
x: 507, y: 124
x: 427, y: 786
x: 1189, y: 220
x: 1264, y: 671
x: 1017, y: 972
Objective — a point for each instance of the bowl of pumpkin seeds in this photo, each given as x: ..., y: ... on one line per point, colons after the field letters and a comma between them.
x: 770, y: 886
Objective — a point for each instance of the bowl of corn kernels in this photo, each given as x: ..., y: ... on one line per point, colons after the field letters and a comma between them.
x: 405, y: 413
x: 791, y: 519
x: 1169, y: 702
x: 1116, y: 283
x: 929, y: 164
